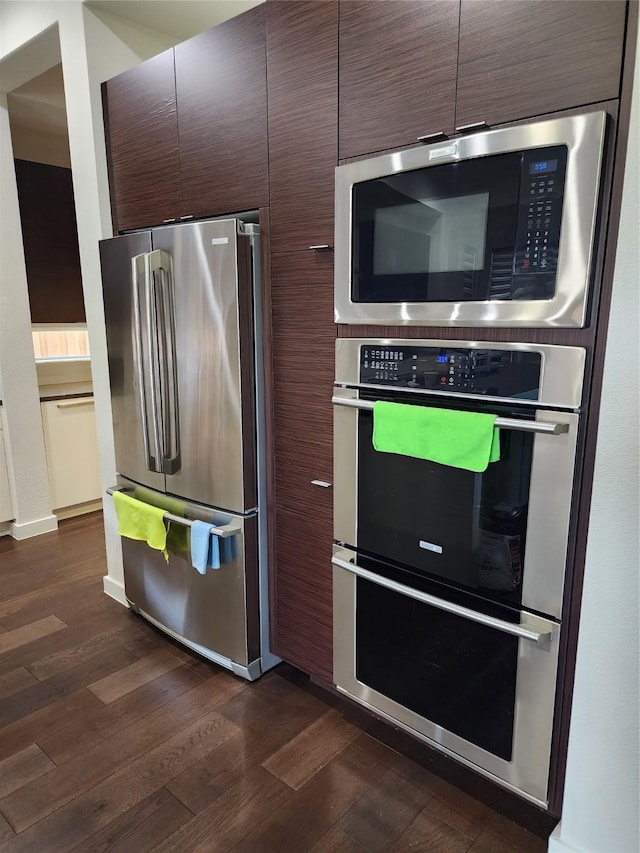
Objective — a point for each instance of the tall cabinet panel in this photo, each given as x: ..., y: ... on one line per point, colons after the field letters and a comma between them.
x: 303, y: 121
x: 525, y: 59
x: 397, y: 72
x: 303, y: 337
x: 142, y: 141
x: 221, y: 90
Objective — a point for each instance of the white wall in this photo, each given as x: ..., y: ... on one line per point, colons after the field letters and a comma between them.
x: 601, y: 811
x: 24, y: 443
x: 90, y: 52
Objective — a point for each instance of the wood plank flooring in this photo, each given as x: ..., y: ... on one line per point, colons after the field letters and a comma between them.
x: 114, y: 738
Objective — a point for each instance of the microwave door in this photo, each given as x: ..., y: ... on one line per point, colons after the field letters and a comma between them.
x: 495, y: 228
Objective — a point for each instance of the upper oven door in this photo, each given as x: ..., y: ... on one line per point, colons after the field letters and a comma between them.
x: 491, y: 229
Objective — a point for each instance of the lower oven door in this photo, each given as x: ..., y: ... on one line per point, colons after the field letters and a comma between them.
x: 480, y: 687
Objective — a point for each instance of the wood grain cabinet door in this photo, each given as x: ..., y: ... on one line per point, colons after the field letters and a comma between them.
x: 302, y: 82
x: 142, y: 144
x: 303, y: 337
x: 397, y: 78
x: 221, y: 86
x: 519, y: 59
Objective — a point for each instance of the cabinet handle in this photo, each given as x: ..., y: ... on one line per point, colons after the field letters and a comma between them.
x: 467, y: 128
x: 166, y: 221
x: 190, y: 216
x: 321, y: 247
x: 322, y: 483
x: 68, y: 404
x: 431, y: 137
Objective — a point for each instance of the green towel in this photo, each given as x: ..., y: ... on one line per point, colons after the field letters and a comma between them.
x: 138, y: 520
x: 177, y: 533
x: 468, y: 440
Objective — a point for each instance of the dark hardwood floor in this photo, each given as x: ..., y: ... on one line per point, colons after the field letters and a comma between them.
x: 114, y: 738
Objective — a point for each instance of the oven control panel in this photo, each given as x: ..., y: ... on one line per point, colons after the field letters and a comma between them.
x: 497, y: 373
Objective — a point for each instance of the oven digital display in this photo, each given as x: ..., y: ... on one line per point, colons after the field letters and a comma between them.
x: 496, y: 373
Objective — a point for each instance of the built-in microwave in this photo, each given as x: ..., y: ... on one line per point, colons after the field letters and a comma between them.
x: 494, y: 228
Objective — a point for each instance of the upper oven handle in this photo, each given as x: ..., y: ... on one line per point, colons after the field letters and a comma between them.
x: 540, y: 637
x: 504, y: 423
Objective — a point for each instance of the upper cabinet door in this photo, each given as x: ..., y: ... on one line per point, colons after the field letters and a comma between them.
x: 221, y: 86
x: 142, y: 134
x: 302, y: 79
x: 397, y: 72
x: 520, y: 59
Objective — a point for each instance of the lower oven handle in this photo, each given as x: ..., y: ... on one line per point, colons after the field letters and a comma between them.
x: 503, y: 423
x: 540, y: 637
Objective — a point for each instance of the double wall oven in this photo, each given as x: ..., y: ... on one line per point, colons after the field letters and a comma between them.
x: 448, y: 584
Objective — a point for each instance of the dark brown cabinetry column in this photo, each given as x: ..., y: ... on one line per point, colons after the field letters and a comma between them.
x: 398, y: 63
x: 221, y: 89
x: 142, y: 144
x: 525, y: 59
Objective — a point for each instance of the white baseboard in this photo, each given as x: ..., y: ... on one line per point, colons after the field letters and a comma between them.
x: 33, y: 528
x: 114, y: 589
x: 557, y: 845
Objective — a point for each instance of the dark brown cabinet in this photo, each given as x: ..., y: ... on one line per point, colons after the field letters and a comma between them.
x: 142, y: 144
x: 412, y: 69
x: 187, y: 130
x: 524, y: 59
x: 50, y: 240
x: 302, y: 80
x: 397, y: 72
x: 221, y: 91
x: 303, y: 335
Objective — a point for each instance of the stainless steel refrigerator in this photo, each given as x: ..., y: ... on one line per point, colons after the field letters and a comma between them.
x: 182, y: 305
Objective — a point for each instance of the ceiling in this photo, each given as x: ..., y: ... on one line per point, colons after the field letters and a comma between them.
x: 179, y: 19
x: 39, y: 104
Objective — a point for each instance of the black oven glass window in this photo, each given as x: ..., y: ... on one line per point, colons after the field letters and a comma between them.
x: 454, y: 672
x: 480, y: 229
x: 466, y: 529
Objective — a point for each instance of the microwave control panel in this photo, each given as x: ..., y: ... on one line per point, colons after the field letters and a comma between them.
x: 540, y: 211
x: 498, y: 373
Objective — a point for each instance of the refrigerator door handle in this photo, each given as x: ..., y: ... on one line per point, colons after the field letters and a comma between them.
x: 162, y: 272
x: 139, y: 267
x: 152, y: 347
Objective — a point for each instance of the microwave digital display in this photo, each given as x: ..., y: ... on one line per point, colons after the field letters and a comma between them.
x: 543, y: 166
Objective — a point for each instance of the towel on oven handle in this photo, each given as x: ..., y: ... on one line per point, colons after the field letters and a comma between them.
x: 468, y: 440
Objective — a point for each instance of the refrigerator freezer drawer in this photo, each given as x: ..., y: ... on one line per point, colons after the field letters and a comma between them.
x: 216, y: 612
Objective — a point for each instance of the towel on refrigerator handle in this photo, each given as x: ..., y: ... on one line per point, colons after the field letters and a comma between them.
x: 205, y: 551
x: 139, y: 520
x: 176, y: 533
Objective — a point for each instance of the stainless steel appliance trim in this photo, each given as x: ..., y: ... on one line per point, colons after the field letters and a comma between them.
x: 345, y: 472
x: 519, y: 630
x: 528, y: 770
x: 160, y: 262
x: 561, y: 379
x: 137, y: 267
x: 152, y: 345
x: 504, y: 423
x: 412, y: 731
x: 223, y: 531
x: 584, y: 137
